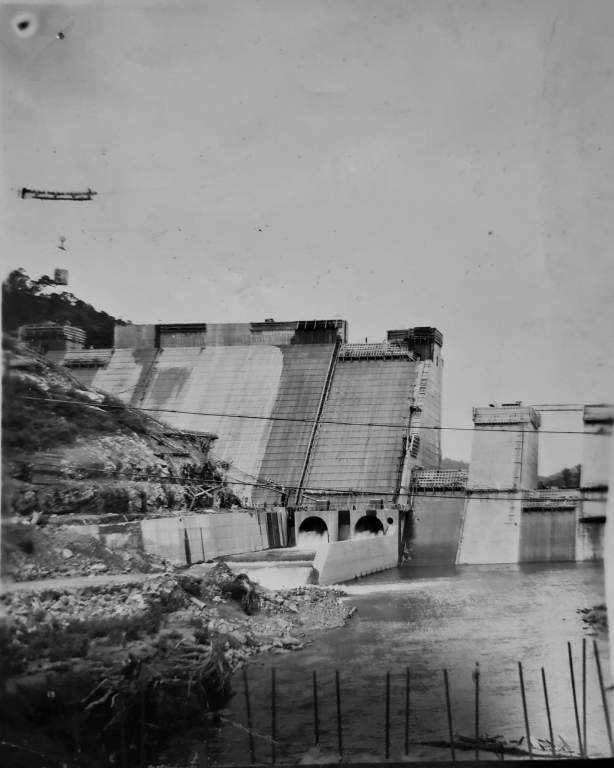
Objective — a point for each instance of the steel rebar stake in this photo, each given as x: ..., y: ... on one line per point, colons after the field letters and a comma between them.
x: 339, y: 731
x: 584, y: 697
x: 387, y: 715
x: 449, y: 711
x: 524, y: 709
x: 476, y: 677
x: 273, y: 717
x: 545, y: 687
x: 248, y: 711
x: 407, y: 711
x: 575, y: 700
x: 316, y: 722
x: 604, y: 700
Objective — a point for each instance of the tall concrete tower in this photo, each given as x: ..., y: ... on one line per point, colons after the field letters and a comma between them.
x: 596, y: 446
x: 503, y: 463
x: 594, y: 481
x: 504, y: 448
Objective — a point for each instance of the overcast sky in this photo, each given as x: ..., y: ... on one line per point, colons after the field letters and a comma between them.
x: 390, y: 162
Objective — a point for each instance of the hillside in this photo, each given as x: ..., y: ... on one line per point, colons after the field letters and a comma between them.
x: 67, y: 448
x: 569, y: 477
x: 24, y: 301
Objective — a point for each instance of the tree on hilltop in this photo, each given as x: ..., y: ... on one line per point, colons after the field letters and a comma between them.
x: 24, y: 302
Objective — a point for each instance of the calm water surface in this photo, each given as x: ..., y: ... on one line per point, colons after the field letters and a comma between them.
x: 429, y: 619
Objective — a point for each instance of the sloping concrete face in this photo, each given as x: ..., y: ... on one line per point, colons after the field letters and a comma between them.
x: 274, y: 394
x: 356, y: 456
x: 205, y: 383
x: 209, y: 377
x: 299, y: 393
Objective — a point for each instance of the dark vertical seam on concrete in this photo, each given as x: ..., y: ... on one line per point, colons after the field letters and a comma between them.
x: 318, y: 416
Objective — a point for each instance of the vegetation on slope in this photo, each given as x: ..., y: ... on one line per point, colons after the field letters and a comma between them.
x: 24, y: 301
x: 45, y: 412
x: 103, y: 456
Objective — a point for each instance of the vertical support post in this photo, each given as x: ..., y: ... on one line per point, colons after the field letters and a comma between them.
x: 202, y: 544
x: 575, y: 700
x: 273, y: 717
x: 524, y: 709
x: 407, y: 711
x: 584, y: 696
x: 449, y: 712
x: 339, y: 731
x: 387, y: 715
x: 545, y: 687
x: 316, y: 720
x: 603, y: 697
x: 248, y: 711
x: 476, y: 677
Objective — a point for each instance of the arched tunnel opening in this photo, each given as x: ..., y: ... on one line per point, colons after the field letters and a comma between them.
x: 368, y: 525
x: 312, y: 533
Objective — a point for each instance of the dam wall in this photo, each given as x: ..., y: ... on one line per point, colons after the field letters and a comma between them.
x: 293, y: 405
x: 491, y: 529
x: 192, y: 538
x: 348, y: 454
x: 341, y: 561
x: 436, y: 525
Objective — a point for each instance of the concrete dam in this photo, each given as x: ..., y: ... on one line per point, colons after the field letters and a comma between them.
x: 343, y: 442
x: 327, y: 430
x: 293, y: 404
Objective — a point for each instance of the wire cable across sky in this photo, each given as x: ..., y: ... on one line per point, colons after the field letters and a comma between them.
x: 299, y: 420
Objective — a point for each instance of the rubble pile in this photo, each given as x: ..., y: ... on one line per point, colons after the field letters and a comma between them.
x: 165, y: 648
x: 38, y: 552
x: 595, y: 618
x: 86, y: 622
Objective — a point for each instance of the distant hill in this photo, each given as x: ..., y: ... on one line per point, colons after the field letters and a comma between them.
x: 24, y: 302
x: 454, y: 464
x: 569, y: 477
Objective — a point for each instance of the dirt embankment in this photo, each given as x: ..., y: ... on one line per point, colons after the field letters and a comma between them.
x: 113, y: 672
x: 38, y: 552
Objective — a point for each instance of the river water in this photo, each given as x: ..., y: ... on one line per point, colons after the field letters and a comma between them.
x: 427, y: 619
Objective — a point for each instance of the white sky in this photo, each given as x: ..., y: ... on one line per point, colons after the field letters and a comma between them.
x: 391, y: 162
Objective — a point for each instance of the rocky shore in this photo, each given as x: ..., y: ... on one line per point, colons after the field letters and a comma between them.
x: 79, y: 661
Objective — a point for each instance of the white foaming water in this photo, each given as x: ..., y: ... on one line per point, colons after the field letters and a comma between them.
x: 369, y: 589
x: 311, y: 540
x: 367, y: 535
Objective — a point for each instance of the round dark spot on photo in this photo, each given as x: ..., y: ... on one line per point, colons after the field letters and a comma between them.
x: 60, y: 35
x: 389, y: 520
x: 25, y: 24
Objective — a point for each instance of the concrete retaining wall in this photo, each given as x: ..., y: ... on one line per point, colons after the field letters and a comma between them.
x: 436, y: 528
x: 344, y: 560
x: 206, y: 536
x: 163, y: 536
x: 491, y: 530
x: 224, y: 533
